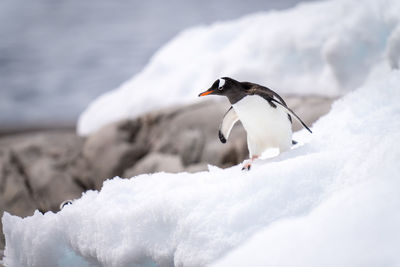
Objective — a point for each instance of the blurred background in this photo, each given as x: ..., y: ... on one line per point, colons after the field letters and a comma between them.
x: 57, y: 56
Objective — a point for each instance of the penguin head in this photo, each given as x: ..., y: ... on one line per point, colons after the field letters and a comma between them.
x: 225, y: 86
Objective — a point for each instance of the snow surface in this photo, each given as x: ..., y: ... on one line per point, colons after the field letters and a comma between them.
x: 326, y: 48
x: 330, y: 202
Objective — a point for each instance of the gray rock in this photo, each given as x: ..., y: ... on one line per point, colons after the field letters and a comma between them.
x: 15, y: 190
x: 193, y: 122
x: 114, y: 148
x: 191, y: 146
x: 199, y: 167
x: 41, y: 162
x: 14, y: 194
x: 155, y: 162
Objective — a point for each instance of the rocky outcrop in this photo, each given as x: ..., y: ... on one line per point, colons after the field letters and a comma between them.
x: 41, y: 170
x: 37, y: 171
x: 113, y: 149
x: 155, y: 162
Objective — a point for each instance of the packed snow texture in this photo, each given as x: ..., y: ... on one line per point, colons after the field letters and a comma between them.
x: 326, y: 48
x: 332, y: 201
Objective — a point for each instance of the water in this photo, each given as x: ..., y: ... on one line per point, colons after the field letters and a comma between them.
x: 57, y: 56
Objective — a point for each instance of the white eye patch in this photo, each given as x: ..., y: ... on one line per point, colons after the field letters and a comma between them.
x: 221, y: 83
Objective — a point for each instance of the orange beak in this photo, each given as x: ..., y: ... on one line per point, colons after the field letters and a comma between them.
x: 206, y: 92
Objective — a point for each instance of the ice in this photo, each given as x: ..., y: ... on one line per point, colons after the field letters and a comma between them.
x: 332, y: 201
x: 325, y: 48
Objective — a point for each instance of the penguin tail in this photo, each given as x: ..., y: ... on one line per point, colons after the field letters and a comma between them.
x: 293, y: 114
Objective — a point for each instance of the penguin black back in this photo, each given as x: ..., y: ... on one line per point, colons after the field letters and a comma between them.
x: 235, y: 91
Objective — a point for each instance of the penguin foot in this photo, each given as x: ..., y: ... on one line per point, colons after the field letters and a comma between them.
x: 247, y: 166
x: 247, y: 163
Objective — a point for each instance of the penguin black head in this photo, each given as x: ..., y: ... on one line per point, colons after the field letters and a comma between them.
x: 228, y: 87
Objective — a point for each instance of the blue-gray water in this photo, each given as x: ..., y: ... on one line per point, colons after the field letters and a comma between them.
x: 58, y: 55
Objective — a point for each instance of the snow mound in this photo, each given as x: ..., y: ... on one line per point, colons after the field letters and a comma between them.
x: 331, y: 202
x: 325, y: 48
x: 358, y: 226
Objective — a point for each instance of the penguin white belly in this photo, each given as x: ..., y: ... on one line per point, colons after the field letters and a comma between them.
x: 266, y: 126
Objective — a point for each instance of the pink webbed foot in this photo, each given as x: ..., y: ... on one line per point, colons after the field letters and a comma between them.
x: 247, y: 163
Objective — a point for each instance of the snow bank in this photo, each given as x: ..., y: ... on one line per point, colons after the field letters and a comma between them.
x: 323, y: 48
x: 358, y: 226
x: 331, y: 202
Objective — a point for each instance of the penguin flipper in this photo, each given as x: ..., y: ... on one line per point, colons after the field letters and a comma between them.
x: 292, y: 113
x: 230, y: 118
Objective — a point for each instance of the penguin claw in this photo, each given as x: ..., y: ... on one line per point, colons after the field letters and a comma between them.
x: 247, y: 163
x: 246, y: 166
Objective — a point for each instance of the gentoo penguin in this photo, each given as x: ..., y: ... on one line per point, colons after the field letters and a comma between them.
x: 263, y: 113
